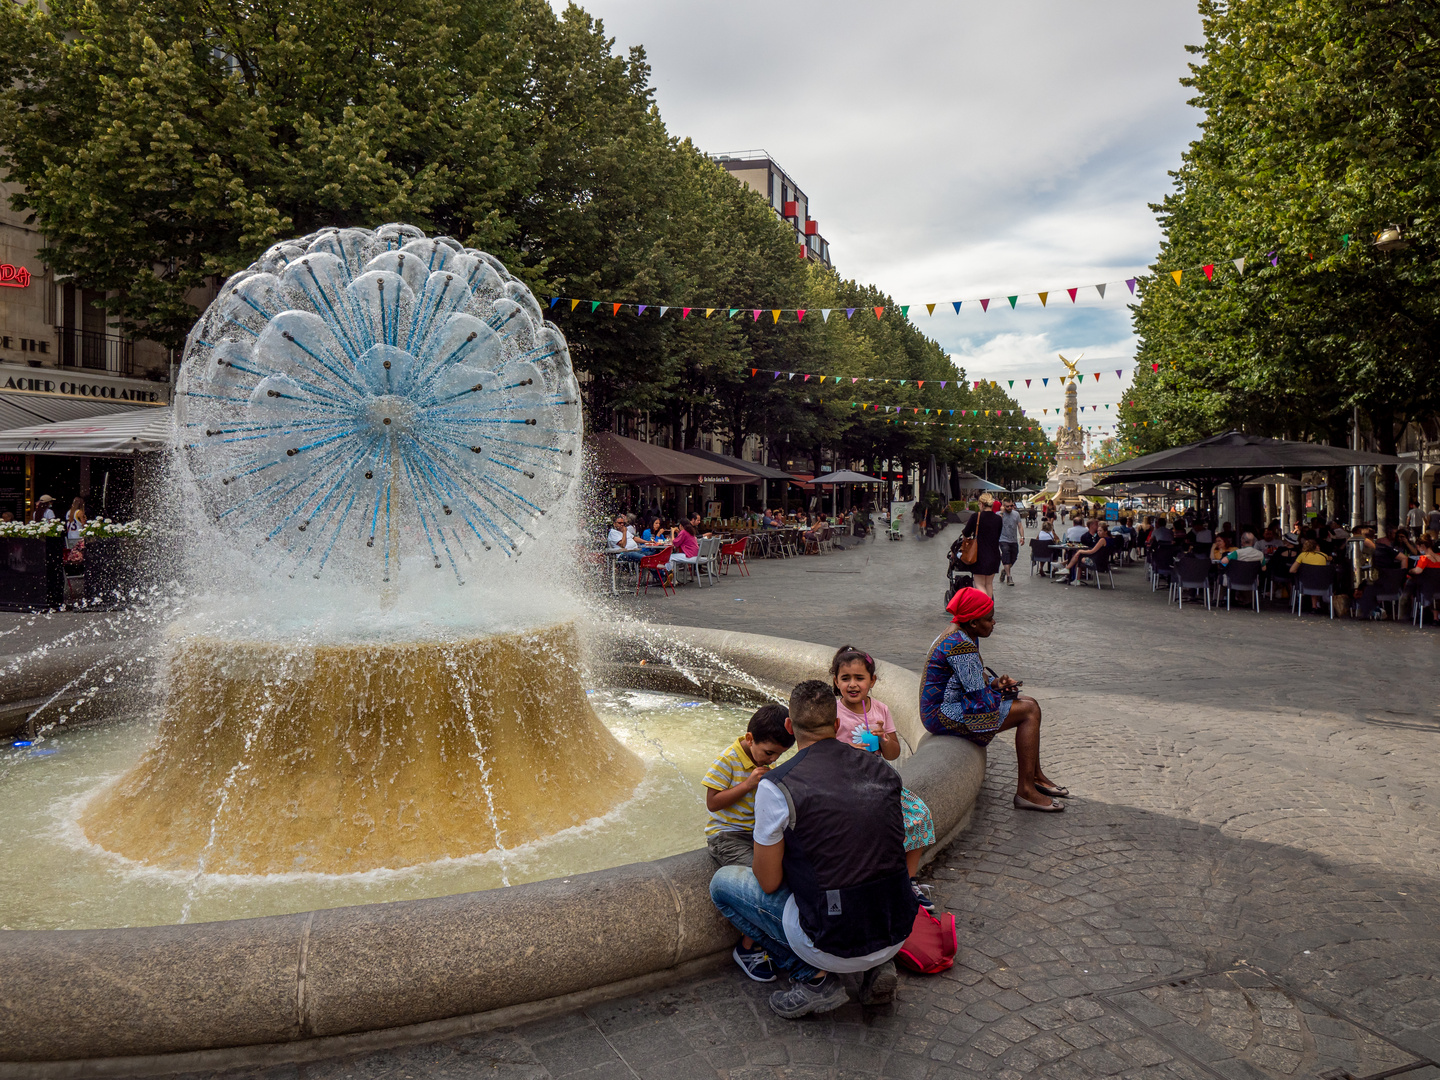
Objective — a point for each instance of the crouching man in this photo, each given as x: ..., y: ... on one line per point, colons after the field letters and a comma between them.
x: 829, y: 892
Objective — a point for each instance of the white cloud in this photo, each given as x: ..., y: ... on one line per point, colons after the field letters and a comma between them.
x: 951, y: 149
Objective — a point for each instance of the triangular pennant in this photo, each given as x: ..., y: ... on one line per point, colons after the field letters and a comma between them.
x: 753, y: 371
x: 1042, y: 296
x: 1012, y: 384
x: 904, y: 311
x: 789, y: 375
x: 1130, y: 284
x: 854, y: 379
x: 837, y: 378
x: 684, y: 314
x: 1044, y: 382
x: 554, y: 300
x: 709, y: 311
x: 977, y: 384
x: 1274, y: 258
x: 617, y: 309
x: 849, y: 312
x: 942, y: 383
x: 985, y: 304
x: 1097, y: 376
x: 879, y: 313
x: 777, y: 374
x: 755, y: 314
x: 825, y: 314
x: 1239, y: 266
x: 662, y: 311
x: 775, y: 314
x: 806, y: 379
x: 732, y: 310
x: 930, y: 309
x: 800, y: 315
x: 642, y: 309
x: 957, y: 306
x: 1100, y: 289
x: 573, y: 303
x: 1209, y: 269
x: 919, y: 383
x: 593, y: 305
x: 1012, y: 300
x: 1154, y: 367
x: 1176, y: 275
x: 1027, y: 384
x: 1118, y: 375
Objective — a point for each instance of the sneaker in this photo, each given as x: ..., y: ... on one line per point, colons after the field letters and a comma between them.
x: 922, y: 893
x: 804, y: 998
x: 877, y: 986
x: 1009, y: 581
x: 755, y: 964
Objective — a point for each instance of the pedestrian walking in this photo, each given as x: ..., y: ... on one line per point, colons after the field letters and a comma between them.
x: 984, y: 525
x: 1012, y: 535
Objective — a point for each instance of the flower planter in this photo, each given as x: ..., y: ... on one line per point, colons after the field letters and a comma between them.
x: 32, y: 573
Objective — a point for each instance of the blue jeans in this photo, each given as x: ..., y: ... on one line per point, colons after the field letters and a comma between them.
x: 757, y: 914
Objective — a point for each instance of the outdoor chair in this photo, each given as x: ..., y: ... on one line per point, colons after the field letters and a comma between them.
x: 1427, y: 591
x: 1161, y: 564
x: 707, y: 559
x: 1316, y: 581
x: 733, y: 554
x: 1190, y: 572
x: 648, y: 567
x: 1098, y: 564
x: 1042, y: 557
x: 1241, y: 577
x: 1390, y: 589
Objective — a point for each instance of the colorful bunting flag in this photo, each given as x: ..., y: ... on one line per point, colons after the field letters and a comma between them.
x: 1042, y: 296
x: 775, y: 314
x: 800, y: 315
x: 1012, y: 300
x: 849, y: 313
x: 1239, y: 266
x: 1101, y: 290
x: 1176, y: 275
x: 879, y: 312
x: 1072, y: 293
x: 1130, y: 283
x: 642, y: 309
x: 930, y: 309
x: 1209, y: 269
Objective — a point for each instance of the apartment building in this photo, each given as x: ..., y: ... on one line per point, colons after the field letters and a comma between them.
x: 759, y: 172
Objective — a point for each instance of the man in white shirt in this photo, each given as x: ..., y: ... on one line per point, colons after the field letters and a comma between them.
x: 1248, y: 552
x: 1077, y: 533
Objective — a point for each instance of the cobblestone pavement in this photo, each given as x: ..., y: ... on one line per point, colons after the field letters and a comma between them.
x: 1244, y: 886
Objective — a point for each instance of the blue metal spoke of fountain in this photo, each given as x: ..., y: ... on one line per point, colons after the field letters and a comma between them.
x: 357, y: 400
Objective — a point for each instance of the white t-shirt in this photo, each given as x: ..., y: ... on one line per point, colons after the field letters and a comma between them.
x: 616, y: 538
x: 772, y: 814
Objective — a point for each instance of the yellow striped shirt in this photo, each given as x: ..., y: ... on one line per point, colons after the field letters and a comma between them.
x: 730, y: 768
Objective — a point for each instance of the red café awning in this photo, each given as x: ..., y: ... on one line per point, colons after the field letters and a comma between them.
x: 630, y: 461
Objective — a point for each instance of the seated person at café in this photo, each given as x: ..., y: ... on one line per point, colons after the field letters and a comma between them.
x: 657, y: 535
x: 1162, y: 533
x: 1247, y: 551
x: 1269, y: 542
x: 1047, y: 530
x: 1203, y: 533
x: 1078, y: 532
x: 1101, y: 542
x: 1220, y: 548
x: 622, y: 536
x: 1310, y: 555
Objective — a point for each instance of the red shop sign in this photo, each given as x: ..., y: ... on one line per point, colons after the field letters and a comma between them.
x: 14, y: 277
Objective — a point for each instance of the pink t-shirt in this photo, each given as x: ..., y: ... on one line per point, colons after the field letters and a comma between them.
x: 688, y: 545
x: 847, y: 721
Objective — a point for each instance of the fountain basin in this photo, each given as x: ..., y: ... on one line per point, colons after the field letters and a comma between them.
x: 324, y: 983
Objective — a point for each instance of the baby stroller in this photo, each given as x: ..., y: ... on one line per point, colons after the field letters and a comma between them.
x: 958, y: 576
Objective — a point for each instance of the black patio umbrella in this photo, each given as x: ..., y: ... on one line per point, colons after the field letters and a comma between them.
x: 1234, y: 458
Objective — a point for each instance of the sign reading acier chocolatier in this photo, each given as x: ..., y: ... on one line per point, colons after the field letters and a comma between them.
x: 76, y: 388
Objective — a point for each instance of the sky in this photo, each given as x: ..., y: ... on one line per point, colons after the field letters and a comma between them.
x: 953, y: 150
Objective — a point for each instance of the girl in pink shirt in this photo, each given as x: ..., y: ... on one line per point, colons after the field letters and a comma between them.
x: 866, y: 725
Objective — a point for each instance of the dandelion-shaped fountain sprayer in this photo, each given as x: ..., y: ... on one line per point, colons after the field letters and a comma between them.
x: 364, y: 414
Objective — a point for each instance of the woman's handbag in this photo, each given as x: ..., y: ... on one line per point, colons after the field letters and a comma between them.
x: 969, y: 550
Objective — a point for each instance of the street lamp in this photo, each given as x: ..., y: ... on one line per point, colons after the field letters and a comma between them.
x: 1390, y: 239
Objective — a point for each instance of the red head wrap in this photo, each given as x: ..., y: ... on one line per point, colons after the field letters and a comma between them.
x: 967, y: 605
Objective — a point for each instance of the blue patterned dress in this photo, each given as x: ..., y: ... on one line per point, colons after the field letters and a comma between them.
x: 955, y: 696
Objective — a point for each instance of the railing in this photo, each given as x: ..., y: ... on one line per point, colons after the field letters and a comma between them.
x: 95, y: 352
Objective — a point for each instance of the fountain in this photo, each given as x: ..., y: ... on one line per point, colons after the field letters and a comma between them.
x: 377, y: 699
x: 370, y: 419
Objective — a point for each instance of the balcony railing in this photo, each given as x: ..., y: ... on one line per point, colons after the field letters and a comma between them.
x: 95, y: 352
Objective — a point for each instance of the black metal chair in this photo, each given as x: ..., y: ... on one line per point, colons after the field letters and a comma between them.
x: 1317, y: 581
x: 1042, y: 555
x: 1427, y: 591
x: 1162, y: 564
x: 1241, y: 577
x: 1389, y: 589
x: 1191, y: 572
x: 1098, y: 564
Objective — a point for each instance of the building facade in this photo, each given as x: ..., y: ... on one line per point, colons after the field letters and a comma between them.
x: 757, y: 170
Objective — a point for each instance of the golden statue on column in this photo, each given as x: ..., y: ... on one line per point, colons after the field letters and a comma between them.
x: 1067, y: 480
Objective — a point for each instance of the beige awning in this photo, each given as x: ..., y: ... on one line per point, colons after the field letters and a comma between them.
x: 134, y: 431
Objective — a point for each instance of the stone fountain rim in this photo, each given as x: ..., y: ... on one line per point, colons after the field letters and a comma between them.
x: 331, y: 982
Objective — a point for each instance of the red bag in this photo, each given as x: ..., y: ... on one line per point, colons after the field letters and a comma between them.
x: 932, y: 945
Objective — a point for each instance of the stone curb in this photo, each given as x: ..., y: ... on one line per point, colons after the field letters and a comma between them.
x: 72, y: 996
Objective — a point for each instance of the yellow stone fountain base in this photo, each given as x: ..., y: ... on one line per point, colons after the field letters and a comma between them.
x: 341, y: 758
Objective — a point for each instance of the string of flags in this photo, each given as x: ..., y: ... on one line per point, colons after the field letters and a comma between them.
x: 919, y: 384
x: 758, y: 314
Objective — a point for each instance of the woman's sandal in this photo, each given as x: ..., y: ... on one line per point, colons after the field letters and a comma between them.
x: 1053, y: 791
x: 1026, y: 804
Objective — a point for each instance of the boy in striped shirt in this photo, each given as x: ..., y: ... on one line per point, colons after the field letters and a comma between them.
x: 730, y: 797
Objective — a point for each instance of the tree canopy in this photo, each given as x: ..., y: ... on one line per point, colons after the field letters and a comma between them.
x: 160, y: 145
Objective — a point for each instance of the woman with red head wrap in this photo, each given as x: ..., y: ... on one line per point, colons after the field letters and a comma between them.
x: 958, y: 697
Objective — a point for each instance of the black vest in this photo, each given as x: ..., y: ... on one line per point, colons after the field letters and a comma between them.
x: 845, y: 848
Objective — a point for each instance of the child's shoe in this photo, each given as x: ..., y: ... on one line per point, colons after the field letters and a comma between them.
x: 922, y: 893
x: 755, y: 963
